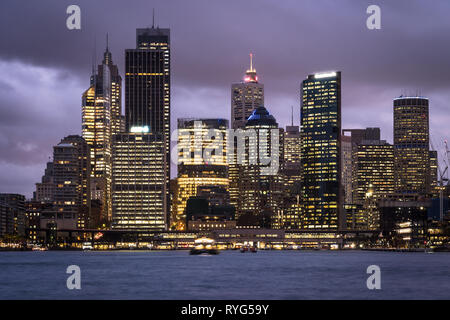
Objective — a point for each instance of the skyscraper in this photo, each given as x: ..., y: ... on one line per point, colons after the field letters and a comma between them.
x: 147, y: 87
x: 260, y: 184
x: 411, y: 145
x: 117, y: 119
x: 141, y: 155
x: 139, y: 189
x: 350, y: 139
x: 246, y: 96
x: 100, y: 119
x: 373, y: 177
x: 320, y: 133
x: 72, y: 197
x: 292, y: 177
x: 196, y: 138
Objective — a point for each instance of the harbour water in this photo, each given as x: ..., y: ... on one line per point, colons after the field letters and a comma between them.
x: 229, y: 275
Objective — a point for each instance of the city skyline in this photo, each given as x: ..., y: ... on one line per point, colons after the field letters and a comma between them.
x: 63, y: 80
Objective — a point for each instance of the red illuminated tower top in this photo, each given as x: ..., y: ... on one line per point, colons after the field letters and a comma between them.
x: 250, y: 74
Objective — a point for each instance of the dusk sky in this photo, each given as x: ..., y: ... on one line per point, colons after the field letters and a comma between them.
x: 45, y: 67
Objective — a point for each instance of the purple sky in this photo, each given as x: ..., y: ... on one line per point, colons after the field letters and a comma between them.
x: 45, y: 67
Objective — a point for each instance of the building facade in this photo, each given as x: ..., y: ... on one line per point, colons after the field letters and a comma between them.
x: 139, y: 198
x: 411, y: 145
x: 100, y: 119
x: 320, y: 134
x: 71, y: 176
x: 147, y: 88
x: 12, y: 214
x: 260, y: 183
x: 291, y: 169
x: 202, y: 161
x: 373, y: 178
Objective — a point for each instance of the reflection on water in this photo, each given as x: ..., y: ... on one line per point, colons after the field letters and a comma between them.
x: 229, y: 275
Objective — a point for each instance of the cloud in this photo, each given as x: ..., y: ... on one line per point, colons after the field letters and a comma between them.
x: 48, y: 66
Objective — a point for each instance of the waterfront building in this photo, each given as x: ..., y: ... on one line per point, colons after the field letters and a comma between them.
x: 147, y: 90
x: 411, y: 145
x: 45, y: 189
x: 139, y: 166
x: 246, y: 96
x: 71, y: 176
x: 346, y: 165
x: 101, y: 117
x: 434, y: 187
x: 373, y: 177
x: 12, y: 214
x: 260, y: 184
x: 203, y: 215
x: 320, y: 151
x: 202, y: 161
x: 350, y: 139
x: 291, y: 178
x: 403, y: 220
x: 33, y: 213
x: 6, y: 219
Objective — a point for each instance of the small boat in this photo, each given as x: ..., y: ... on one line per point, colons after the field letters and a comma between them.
x: 244, y: 249
x: 39, y: 248
x: 204, y: 246
x: 87, y: 246
x: 248, y: 248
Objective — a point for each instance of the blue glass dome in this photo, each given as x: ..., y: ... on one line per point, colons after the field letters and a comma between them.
x: 260, y: 116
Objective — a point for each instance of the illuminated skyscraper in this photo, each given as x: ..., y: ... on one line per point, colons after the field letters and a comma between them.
x: 147, y: 87
x: 373, y: 178
x: 350, y: 139
x: 117, y: 119
x: 139, y: 188
x: 202, y: 161
x: 292, y: 178
x: 260, y: 183
x: 246, y: 96
x: 97, y: 130
x: 320, y: 134
x: 411, y: 145
x: 72, y: 197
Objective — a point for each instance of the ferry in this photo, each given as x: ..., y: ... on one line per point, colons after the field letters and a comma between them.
x: 87, y: 246
x: 37, y: 247
x: 204, y: 246
x: 248, y: 248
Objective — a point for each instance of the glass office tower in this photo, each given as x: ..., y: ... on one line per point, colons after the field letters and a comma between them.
x: 320, y: 152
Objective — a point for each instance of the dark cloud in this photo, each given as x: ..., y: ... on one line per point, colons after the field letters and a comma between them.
x: 47, y: 67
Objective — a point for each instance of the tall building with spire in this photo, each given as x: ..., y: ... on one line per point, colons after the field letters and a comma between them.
x: 141, y: 155
x: 117, y: 119
x: 147, y: 87
x: 101, y: 118
x: 246, y: 96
